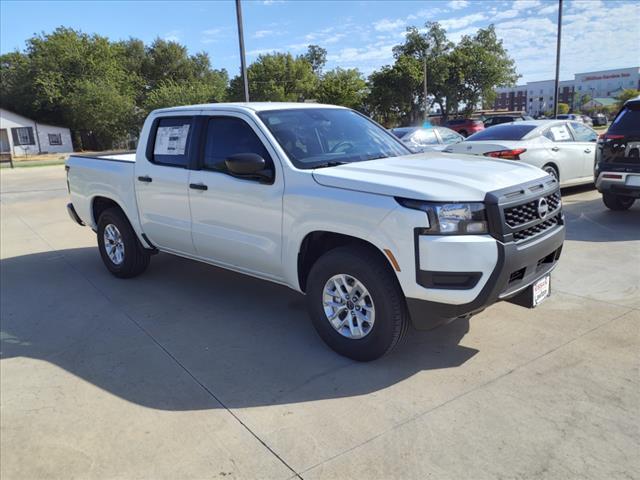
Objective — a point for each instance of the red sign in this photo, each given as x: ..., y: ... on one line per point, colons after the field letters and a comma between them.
x: 604, y: 77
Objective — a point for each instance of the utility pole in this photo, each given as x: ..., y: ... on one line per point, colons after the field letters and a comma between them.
x: 557, y: 82
x: 243, y: 62
x: 426, y: 102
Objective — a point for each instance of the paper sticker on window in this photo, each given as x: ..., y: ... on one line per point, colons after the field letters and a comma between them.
x: 560, y: 133
x: 171, y: 140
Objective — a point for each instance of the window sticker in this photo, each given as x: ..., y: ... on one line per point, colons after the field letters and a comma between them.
x: 560, y: 133
x: 171, y: 140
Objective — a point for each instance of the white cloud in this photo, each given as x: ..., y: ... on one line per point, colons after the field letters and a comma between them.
x: 210, y: 35
x: 458, y: 4
x: 386, y: 25
x: 456, y: 23
x: 271, y: 2
x: 263, y: 33
x: 172, y: 36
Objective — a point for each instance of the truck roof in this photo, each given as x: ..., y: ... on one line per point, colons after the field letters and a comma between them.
x: 254, y: 106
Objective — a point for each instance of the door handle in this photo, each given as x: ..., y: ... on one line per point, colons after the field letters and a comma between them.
x: 555, y: 149
x: 587, y: 150
x: 145, y: 178
x: 198, y: 186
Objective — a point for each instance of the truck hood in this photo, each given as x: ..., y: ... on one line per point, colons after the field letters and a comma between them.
x: 429, y: 176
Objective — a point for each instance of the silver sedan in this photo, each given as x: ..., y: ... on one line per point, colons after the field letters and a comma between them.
x: 564, y: 149
x: 420, y: 139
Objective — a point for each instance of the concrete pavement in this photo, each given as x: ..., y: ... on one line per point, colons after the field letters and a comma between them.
x: 190, y: 371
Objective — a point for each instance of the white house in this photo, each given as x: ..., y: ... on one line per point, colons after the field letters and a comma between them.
x: 21, y: 136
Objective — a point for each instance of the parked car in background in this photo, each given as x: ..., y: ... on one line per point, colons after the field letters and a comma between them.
x: 325, y: 201
x: 465, y: 126
x: 599, y: 119
x: 420, y: 139
x: 499, y: 119
x: 565, y: 150
x: 586, y: 119
x: 570, y: 116
x: 617, y: 172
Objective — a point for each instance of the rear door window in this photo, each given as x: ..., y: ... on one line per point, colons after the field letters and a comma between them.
x: 558, y: 133
x: 171, y: 141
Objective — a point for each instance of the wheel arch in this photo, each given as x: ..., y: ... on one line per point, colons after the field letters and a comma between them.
x: 100, y: 203
x: 555, y: 167
x: 317, y: 243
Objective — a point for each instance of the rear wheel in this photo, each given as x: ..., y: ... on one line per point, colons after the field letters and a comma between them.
x: 617, y: 202
x: 553, y: 171
x: 119, y: 247
x: 356, y: 304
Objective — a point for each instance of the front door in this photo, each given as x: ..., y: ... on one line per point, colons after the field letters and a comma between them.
x: 162, y: 184
x: 5, y: 147
x: 237, y: 222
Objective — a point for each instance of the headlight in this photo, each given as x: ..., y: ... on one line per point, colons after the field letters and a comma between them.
x: 451, y: 218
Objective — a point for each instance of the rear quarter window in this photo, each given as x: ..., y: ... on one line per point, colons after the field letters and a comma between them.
x: 627, y: 121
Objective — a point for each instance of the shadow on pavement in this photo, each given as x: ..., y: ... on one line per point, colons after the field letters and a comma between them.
x: 247, y: 341
x: 591, y: 221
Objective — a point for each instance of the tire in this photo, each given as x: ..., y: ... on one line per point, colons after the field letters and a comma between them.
x: 553, y: 171
x: 133, y: 259
x: 617, y: 202
x: 390, y: 317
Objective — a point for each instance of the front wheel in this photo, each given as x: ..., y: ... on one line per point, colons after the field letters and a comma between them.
x: 119, y: 247
x: 551, y: 170
x: 356, y: 304
x: 617, y: 202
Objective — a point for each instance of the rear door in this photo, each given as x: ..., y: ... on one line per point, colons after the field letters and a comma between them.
x: 565, y: 152
x: 162, y: 179
x: 586, y: 137
x: 237, y: 222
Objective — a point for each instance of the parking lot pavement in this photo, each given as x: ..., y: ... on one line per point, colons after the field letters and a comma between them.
x: 190, y: 371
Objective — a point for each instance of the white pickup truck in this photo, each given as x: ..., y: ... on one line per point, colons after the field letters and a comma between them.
x: 323, y: 200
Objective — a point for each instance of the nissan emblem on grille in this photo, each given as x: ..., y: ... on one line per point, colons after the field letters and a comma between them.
x: 543, y: 208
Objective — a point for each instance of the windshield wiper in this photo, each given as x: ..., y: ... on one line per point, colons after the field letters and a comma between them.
x: 331, y: 163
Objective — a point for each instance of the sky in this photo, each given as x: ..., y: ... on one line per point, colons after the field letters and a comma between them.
x: 596, y: 34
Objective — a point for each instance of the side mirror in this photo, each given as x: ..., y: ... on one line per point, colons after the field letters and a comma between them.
x: 249, y: 165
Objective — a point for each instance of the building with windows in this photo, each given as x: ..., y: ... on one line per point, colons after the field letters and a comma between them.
x: 21, y: 136
x: 538, y: 96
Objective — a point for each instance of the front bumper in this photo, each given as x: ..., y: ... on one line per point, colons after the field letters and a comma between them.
x: 518, y: 266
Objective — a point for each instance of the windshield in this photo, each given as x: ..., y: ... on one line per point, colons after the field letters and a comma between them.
x: 505, y: 131
x: 319, y: 137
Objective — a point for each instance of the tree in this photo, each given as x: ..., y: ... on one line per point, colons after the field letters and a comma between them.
x: 626, y: 95
x: 317, y: 58
x: 102, y: 89
x: 342, y: 87
x: 277, y: 77
x: 171, y: 93
x: 563, y: 108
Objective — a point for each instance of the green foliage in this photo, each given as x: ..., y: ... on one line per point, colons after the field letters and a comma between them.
x: 626, y: 95
x: 342, y: 87
x: 317, y: 58
x: 101, y: 89
x: 277, y: 77
x: 459, y: 77
x: 563, y: 108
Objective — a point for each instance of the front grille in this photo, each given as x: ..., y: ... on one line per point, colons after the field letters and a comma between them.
x: 528, y: 212
x: 535, y: 229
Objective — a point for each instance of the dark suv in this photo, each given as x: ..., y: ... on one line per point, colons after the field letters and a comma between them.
x: 499, y: 119
x: 617, y: 171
